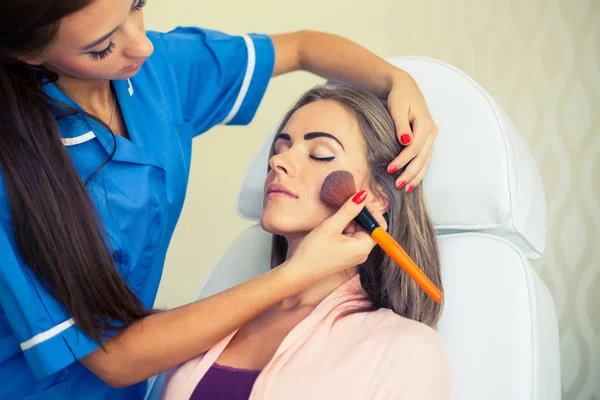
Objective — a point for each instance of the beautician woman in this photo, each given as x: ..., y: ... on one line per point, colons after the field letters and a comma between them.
x: 96, y: 127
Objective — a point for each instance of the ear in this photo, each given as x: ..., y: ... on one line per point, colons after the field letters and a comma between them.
x: 33, y: 61
x: 379, y: 201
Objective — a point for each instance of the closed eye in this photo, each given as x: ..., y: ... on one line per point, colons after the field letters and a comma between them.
x: 322, y: 159
x: 102, y: 54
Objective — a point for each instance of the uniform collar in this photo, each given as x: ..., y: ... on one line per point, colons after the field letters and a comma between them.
x: 76, y: 128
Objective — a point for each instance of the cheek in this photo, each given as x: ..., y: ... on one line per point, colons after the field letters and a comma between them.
x: 83, y: 66
x: 80, y: 67
x: 286, y: 217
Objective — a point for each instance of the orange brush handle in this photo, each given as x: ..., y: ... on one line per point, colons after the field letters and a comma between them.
x: 393, y: 249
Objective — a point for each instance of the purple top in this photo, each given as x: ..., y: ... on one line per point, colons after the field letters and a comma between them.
x: 225, y: 383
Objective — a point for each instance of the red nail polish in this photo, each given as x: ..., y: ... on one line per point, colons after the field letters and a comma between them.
x: 392, y: 169
x: 401, y: 185
x: 405, y: 139
x: 360, y: 197
x: 410, y: 189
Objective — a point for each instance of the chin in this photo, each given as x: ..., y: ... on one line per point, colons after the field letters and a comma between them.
x: 286, y: 226
x: 275, y: 227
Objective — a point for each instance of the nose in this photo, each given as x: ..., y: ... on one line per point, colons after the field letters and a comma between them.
x: 281, y: 164
x: 138, y: 45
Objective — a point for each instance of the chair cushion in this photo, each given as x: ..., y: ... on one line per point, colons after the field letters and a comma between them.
x: 498, y: 322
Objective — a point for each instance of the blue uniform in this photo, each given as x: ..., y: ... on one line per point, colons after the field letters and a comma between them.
x: 194, y: 80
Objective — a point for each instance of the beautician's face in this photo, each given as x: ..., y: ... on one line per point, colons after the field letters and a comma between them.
x: 306, y: 151
x: 104, y: 41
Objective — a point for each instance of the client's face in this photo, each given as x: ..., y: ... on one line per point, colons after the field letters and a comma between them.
x: 318, y: 139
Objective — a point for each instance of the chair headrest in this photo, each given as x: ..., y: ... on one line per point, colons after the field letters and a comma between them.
x: 482, y: 176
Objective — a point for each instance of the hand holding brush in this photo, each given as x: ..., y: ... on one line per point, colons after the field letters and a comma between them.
x: 337, y: 188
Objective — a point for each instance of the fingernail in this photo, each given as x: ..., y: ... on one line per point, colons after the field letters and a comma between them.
x: 360, y: 197
x: 392, y: 169
x: 410, y: 189
x: 401, y: 185
x: 405, y: 139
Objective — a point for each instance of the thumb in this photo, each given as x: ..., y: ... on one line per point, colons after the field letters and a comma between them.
x: 405, y: 135
x: 338, y: 222
x: 403, y: 127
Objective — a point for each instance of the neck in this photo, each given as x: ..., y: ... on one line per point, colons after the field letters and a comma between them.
x: 317, y: 292
x: 94, y: 96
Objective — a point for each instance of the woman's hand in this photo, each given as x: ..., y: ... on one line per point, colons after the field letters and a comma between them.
x: 336, y: 244
x: 166, y: 339
x: 340, y: 60
x: 415, y: 129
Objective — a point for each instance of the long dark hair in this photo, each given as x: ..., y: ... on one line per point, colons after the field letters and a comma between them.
x: 386, y: 285
x: 57, y: 229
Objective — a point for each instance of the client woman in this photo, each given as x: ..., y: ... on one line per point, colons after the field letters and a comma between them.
x: 365, y: 333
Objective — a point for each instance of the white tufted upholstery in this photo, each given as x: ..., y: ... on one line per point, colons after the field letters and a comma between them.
x: 486, y: 199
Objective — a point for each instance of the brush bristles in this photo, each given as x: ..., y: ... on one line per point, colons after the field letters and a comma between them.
x: 337, y: 188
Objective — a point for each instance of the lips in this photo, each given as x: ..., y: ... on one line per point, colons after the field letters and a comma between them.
x: 277, y: 189
x: 135, y: 66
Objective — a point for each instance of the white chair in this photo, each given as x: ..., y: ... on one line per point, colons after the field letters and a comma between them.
x: 486, y: 199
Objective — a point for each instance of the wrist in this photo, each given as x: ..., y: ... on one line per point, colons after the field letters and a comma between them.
x: 399, y: 78
x: 402, y: 79
x: 295, y: 276
x: 393, y: 77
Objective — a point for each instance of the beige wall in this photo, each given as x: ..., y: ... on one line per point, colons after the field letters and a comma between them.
x: 539, y: 58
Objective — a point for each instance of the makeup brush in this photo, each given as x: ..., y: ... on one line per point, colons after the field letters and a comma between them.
x: 337, y: 188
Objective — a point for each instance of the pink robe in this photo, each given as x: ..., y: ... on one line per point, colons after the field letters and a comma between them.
x: 364, y: 356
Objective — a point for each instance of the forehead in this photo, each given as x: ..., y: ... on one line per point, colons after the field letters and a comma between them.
x: 91, y: 23
x: 324, y: 116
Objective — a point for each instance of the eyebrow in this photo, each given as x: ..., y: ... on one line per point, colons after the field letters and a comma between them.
x: 103, y: 38
x: 311, y: 135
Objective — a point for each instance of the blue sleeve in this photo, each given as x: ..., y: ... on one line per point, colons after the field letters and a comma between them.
x: 48, y: 338
x: 221, y: 79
